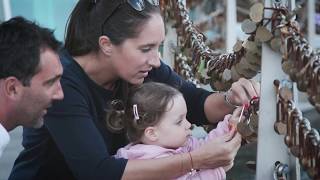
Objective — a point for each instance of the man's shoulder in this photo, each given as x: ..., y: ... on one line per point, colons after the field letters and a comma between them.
x: 4, y: 138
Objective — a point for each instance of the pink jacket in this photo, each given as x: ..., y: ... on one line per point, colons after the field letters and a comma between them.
x: 143, y: 151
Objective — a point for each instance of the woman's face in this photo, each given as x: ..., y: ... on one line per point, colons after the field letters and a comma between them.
x: 135, y: 57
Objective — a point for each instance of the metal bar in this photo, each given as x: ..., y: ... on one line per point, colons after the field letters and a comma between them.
x: 6, y: 9
x: 170, y: 42
x: 231, y: 21
x: 271, y: 146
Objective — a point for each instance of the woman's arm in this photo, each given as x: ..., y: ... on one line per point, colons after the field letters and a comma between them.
x: 161, y: 168
x: 217, y: 153
x: 204, y: 106
x: 72, y: 126
x: 241, y: 92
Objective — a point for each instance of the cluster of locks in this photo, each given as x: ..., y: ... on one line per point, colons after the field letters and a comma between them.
x: 248, y: 128
x: 192, y: 53
x: 302, y: 64
x: 302, y: 140
x: 197, y: 62
x: 299, y: 60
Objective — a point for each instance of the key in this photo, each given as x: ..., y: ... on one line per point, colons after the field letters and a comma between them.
x: 295, y: 135
x: 288, y: 138
x: 313, y: 142
x: 303, y: 131
x: 283, y: 96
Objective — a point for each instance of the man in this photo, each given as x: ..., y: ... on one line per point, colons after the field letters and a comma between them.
x: 30, y: 72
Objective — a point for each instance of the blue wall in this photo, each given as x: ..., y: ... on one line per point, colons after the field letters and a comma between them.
x: 48, y: 13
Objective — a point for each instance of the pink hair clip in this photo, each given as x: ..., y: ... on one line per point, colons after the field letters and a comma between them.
x: 135, y: 112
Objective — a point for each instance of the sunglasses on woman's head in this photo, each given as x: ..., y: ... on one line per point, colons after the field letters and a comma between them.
x: 138, y: 5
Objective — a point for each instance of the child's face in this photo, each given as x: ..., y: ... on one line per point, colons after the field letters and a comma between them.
x: 174, y: 129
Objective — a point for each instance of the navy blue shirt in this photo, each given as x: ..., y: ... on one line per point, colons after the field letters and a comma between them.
x: 75, y: 143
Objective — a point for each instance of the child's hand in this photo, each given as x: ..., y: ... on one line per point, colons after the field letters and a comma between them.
x: 235, y: 118
x: 228, y: 167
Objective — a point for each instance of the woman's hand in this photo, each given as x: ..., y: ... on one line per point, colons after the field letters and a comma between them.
x: 242, y: 91
x: 218, y: 152
x: 227, y: 168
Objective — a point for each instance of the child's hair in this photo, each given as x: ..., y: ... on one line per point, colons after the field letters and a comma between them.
x: 151, y: 100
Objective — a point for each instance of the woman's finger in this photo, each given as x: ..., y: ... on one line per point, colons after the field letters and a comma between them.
x: 256, y: 87
x: 248, y: 87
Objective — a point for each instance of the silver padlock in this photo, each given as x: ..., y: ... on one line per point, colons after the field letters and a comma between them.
x: 280, y: 171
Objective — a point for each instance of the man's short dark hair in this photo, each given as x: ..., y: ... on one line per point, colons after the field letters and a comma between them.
x: 21, y: 42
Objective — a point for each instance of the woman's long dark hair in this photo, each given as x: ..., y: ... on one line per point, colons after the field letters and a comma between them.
x: 87, y: 23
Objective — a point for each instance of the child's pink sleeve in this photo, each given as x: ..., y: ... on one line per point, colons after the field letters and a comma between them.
x: 221, y: 129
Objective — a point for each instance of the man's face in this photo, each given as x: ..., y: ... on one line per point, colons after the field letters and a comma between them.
x: 44, y: 88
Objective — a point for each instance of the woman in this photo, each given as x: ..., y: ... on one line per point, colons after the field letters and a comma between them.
x: 109, y: 46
